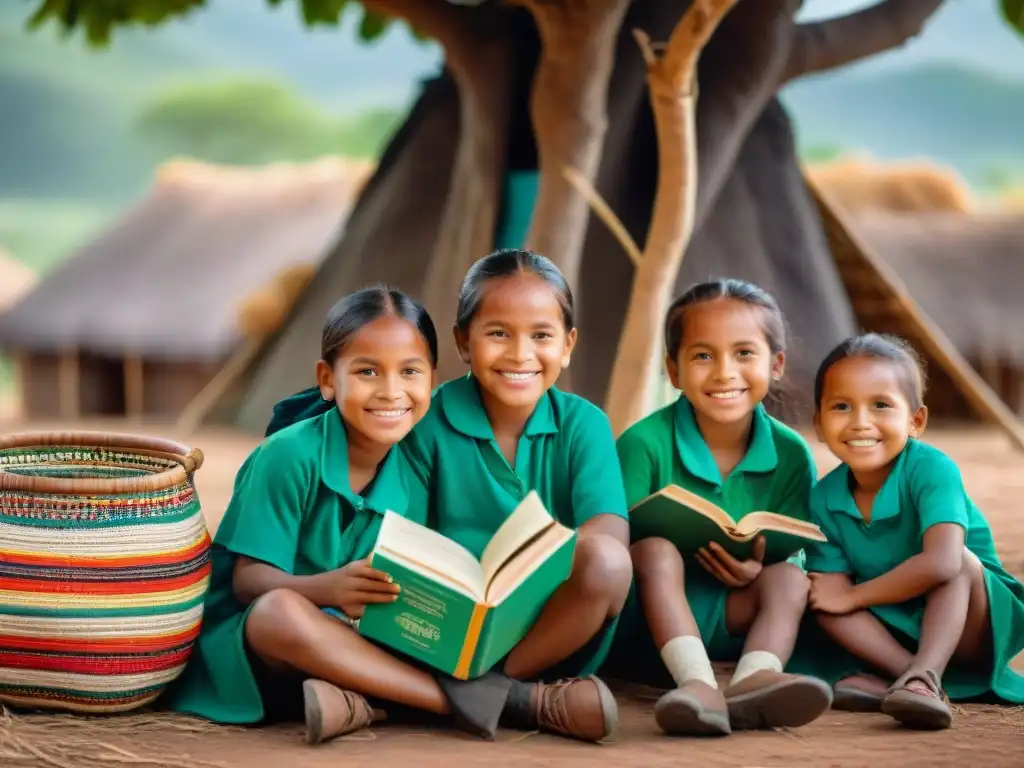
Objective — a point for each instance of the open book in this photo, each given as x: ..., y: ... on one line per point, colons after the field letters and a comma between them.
x: 690, y: 521
x: 459, y: 614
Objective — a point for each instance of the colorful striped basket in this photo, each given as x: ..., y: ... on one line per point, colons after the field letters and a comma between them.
x: 104, y: 564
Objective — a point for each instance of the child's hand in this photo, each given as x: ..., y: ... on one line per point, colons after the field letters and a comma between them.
x: 832, y: 593
x: 356, y: 585
x: 727, y: 569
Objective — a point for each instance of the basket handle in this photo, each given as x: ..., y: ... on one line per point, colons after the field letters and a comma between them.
x: 193, y: 460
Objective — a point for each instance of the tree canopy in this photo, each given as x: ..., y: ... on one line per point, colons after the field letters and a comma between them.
x: 1013, y: 12
x: 97, y: 19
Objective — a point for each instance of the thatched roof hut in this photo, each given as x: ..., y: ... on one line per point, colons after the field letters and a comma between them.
x: 947, y: 282
x: 161, y: 291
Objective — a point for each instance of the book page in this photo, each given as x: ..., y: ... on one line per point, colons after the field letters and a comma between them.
x: 418, y: 545
x: 513, y: 572
x: 772, y: 521
x: 700, y: 505
x: 525, y: 523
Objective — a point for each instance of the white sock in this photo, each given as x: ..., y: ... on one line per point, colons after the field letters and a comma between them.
x: 687, y: 659
x: 755, y: 661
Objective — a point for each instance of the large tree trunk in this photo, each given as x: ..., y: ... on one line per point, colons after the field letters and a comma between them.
x: 569, y: 112
x: 754, y: 217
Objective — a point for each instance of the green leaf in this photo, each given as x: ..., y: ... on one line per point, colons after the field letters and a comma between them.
x: 373, y: 25
x: 1013, y: 12
x: 322, y: 11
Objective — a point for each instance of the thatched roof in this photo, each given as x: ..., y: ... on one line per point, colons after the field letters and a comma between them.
x: 860, y: 184
x: 15, y: 279
x: 167, y: 279
x: 965, y: 270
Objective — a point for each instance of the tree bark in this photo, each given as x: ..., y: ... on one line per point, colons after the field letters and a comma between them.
x: 671, y: 80
x: 476, y: 52
x: 824, y: 45
x: 568, y: 107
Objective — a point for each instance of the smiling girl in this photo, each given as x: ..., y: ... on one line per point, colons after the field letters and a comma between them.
x: 289, y: 557
x: 725, y: 346
x: 909, y: 582
x: 504, y: 430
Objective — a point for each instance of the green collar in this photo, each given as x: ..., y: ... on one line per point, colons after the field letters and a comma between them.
x: 839, y: 496
x: 696, y: 456
x: 464, y: 410
x: 387, y: 489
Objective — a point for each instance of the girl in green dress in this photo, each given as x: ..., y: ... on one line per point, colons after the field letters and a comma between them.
x: 909, y: 584
x: 725, y: 348
x: 290, y: 570
x: 503, y: 430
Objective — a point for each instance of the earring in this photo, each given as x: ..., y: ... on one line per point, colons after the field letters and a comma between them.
x: 565, y: 362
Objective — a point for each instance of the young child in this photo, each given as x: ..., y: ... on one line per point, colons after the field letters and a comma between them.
x: 503, y: 430
x: 289, y: 558
x: 909, y: 581
x: 725, y: 346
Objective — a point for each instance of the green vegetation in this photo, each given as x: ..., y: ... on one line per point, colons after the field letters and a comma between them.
x: 256, y: 121
x: 97, y: 19
x: 1013, y: 12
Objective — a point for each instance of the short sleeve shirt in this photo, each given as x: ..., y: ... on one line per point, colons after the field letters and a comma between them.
x: 566, y: 454
x: 923, y: 489
x: 775, y: 475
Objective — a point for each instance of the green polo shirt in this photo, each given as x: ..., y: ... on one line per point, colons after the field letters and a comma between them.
x: 292, y: 508
x: 775, y: 475
x: 566, y: 454
x: 923, y: 489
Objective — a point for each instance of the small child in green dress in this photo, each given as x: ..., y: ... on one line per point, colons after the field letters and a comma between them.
x: 909, y: 583
x: 503, y: 430
x: 725, y: 346
x: 290, y: 570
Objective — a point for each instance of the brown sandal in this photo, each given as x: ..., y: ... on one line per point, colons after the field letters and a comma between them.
x: 918, y: 710
x: 849, y: 696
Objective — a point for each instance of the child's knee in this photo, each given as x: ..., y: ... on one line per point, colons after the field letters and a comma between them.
x: 602, y: 567
x: 656, y: 558
x: 785, y: 583
x: 279, y: 617
x: 830, y: 623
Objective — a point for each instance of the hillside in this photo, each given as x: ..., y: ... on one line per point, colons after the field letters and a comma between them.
x: 962, y: 116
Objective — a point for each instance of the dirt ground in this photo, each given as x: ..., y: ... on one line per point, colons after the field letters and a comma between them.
x: 982, y: 735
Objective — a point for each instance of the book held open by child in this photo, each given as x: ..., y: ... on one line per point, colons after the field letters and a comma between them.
x: 459, y: 614
x: 690, y: 522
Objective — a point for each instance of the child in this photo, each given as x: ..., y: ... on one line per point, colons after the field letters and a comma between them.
x: 289, y: 559
x: 725, y: 344
x: 909, y: 579
x: 503, y: 430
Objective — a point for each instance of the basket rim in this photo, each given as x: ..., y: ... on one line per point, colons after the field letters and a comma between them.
x: 188, y: 461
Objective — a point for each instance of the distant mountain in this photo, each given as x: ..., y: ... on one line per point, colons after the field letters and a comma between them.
x: 968, y: 118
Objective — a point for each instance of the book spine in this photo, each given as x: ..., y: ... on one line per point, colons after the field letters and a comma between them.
x: 470, y: 643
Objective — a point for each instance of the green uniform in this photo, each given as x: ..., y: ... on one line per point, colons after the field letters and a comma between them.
x: 924, y: 489
x: 292, y: 508
x: 566, y: 454
x: 776, y: 474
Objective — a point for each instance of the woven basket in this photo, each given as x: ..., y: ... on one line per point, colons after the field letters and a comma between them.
x: 104, y: 564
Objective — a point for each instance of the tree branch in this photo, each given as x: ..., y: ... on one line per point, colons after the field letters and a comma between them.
x: 824, y: 45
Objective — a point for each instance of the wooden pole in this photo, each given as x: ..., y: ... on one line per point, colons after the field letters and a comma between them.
x: 69, y: 385
x: 134, y: 387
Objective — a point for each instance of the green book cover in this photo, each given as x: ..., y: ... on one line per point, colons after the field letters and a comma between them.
x: 458, y: 614
x: 691, y: 522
